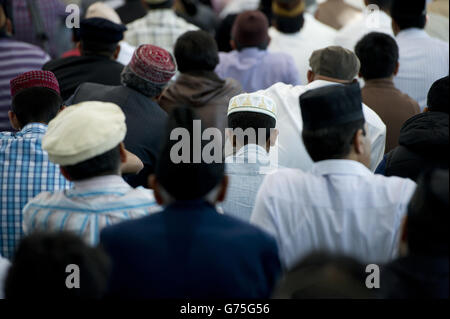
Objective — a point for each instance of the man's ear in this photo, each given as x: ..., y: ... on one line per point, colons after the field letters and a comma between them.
x: 153, y: 184
x: 397, y: 68
x: 123, y: 154
x: 14, y: 121
x: 223, y: 190
x: 9, y: 26
x: 274, y: 136
x: 117, y: 52
x: 65, y: 174
x: 233, y: 44
x: 358, y: 142
x: 310, y: 75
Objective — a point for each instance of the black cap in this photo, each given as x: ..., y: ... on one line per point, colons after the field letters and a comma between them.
x: 193, y: 180
x: 101, y: 30
x: 331, y: 105
x: 428, y: 212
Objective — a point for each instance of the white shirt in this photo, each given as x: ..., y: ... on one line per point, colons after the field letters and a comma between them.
x: 246, y: 171
x: 290, y: 149
x: 339, y: 206
x: 126, y: 53
x: 300, y: 45
x: 350, y: 34
x: 423, y: 60
x: 238, y: 6
x: 4, y: 267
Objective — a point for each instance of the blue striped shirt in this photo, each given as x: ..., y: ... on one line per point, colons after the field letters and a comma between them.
x: 25, y: 171
x: 88, y: 207
x: 15, y: 58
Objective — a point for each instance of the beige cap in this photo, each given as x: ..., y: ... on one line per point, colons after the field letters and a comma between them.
x: 102, y: 10
x: 253, y: 102
x: 84, y: 131
x: 335, y: 62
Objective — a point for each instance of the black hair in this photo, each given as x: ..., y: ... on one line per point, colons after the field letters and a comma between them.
x: 438, y: 96
x: 428, y: 212
x: 223, y: 33
x: 407, y: 20
x: 254, y: 121
x: 289, y: 24
x: 36, y: 105
x: 334, y: 142
x: 39, y: 268
x: 378, y: 54
x: 164, y: 5
x: 323, y: 275
x: 196, y: 51
x: 89, y: 48
x: 106, y: 163
x: 382, y: 4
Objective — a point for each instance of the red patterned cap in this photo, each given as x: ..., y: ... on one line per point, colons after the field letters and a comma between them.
x: 153, y: 63
x: 33, y: 79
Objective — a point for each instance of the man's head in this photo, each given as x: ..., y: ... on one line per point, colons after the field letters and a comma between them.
x: 39, y: 268
x: 252, y: 119
x: 196, y: 51
x: 100, y: 37
x: 86, y: 140
x: 334, y: 64
x: 288, y: 15
x: 5, y: 22
x: 425, y: 231
x: 334, y: 124
x: 158, y: 4
x: 324, y: 276
x: 408, y: 14
x: 35, y: 98
x: 189, y: 167
x: 438, y: 96
x: 378, y: 54
x: 384, y: 5
x: 149, y: 71
x: 250, y: 30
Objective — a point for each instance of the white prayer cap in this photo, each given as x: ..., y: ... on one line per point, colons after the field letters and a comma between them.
x: 253, y: 102
x: 84, y: 131
x: 102, y: 10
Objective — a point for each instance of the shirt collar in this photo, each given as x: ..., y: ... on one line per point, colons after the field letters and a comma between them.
x: 412, y: 33
x: 340, y: 167
x: 100, y: 183
x: 385, y: 83
x: 250, y: 52
x: 32, y: 129
x: 250, y: 153
x: 320, y: 83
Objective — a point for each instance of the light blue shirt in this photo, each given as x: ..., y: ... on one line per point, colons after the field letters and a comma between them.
x: 25, y: 171
x: 88, y: 207
x: 246, y: 171
x: 258, y: 69
x: 339, y: 206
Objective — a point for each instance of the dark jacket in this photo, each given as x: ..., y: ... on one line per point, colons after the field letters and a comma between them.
x: 190, y: 251
x: 146, y: 122
x: 423, y: 144
x: 206, y: 93
x: 73, y: 71
x: 416, y: 277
